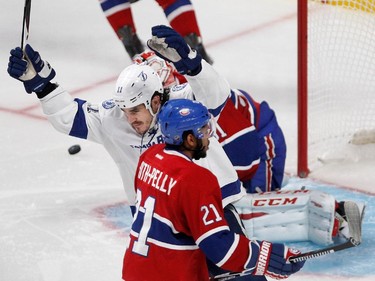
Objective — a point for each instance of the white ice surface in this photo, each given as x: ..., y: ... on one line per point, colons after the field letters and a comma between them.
x: 51, y: 227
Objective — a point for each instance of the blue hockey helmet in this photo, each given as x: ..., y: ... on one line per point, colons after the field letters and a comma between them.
x: 179, y: 115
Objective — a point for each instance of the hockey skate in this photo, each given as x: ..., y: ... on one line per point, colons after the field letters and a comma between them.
x: 131, y: 41
x: 195, y: 42
x: 350, y: 216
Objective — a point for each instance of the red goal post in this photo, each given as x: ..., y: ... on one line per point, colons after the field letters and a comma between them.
x: 336, y: 77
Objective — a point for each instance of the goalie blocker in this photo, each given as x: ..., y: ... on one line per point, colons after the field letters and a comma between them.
x: 293, y: 215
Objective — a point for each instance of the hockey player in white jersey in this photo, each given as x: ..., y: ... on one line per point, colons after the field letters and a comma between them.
x: 126, y: 125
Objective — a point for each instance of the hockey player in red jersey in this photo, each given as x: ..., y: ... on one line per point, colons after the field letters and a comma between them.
x: 179, y: 13
x: 179, y: 219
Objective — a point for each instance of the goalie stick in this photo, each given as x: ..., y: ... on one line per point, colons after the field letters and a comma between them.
x: 301, y: 257
x: 25, y: 21
x: 354, y: 219
x: 322, y: 252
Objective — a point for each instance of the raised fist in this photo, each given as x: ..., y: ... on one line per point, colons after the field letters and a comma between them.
x: 28, y: 67
x: 171, y: 46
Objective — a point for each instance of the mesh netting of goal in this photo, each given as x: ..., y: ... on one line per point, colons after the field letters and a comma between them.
x: 341, y: 74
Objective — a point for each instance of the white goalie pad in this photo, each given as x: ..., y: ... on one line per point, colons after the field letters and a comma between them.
x: 286, y: 216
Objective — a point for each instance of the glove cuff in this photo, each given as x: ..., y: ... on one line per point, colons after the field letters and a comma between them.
x: 50, y: 87
x: 38, y: 83
x: 196, y: 71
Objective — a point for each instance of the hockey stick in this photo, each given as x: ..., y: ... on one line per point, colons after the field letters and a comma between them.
x: 25, y: 21
x: 322, y: 252
x: 301, y: 257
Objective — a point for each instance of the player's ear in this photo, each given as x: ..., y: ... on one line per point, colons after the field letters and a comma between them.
x: 155, y: 103
x: 190, y: 141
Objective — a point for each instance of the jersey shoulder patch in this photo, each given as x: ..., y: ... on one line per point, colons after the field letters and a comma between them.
x: 108, y: 104
x: 178, y: 87
x: 182, y: 91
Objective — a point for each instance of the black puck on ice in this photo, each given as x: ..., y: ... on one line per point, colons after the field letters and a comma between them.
x: 74, y: 149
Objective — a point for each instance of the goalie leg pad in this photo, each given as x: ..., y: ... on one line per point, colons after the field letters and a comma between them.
x: 285, y: 216
x: 322, y: 208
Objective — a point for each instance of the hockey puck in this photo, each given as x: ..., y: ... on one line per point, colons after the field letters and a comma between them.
x: 74, y: 149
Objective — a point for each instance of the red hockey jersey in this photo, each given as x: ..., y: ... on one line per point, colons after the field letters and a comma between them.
x: 179, y: 221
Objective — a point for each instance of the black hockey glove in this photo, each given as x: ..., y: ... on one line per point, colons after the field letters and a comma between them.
x: 171, y: 46
x: 29, y: 68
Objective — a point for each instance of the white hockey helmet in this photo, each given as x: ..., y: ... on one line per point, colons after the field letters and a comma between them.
x: 137, y: 85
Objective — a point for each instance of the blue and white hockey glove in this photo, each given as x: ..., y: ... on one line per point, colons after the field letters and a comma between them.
x: 273, y: 260
x: 29, y: 68
x: 171, y: 46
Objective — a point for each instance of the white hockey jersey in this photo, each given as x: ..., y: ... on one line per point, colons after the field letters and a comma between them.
x: 106, y: 124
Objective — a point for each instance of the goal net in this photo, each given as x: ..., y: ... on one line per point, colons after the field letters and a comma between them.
x: 336, y: 71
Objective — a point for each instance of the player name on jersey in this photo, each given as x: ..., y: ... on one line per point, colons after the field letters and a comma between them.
x: 156, y: 178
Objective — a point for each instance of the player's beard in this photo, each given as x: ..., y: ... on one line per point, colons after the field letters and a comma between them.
x: 200, y: 151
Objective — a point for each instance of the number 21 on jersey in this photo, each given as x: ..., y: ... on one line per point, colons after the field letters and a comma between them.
x: 140, y: 246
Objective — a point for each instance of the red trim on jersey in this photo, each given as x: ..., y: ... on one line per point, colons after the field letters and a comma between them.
x: 268, y: 174
x: 336, y: 227
x: 245, y: 175
x: 270, y: 156
x: 252, y: 215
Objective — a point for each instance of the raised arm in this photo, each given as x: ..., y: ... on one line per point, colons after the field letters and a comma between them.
x: 208, y: 85
x: 67, y: 115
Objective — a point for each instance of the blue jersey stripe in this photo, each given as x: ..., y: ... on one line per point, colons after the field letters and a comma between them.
x: 218, y: 245
x: 216, y: 111
x: 79, y: 128
x: 162, y: 232
x: 177, y: 4
x: 106, y: 5
x: 249, y: 143
x: 231, y: 189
